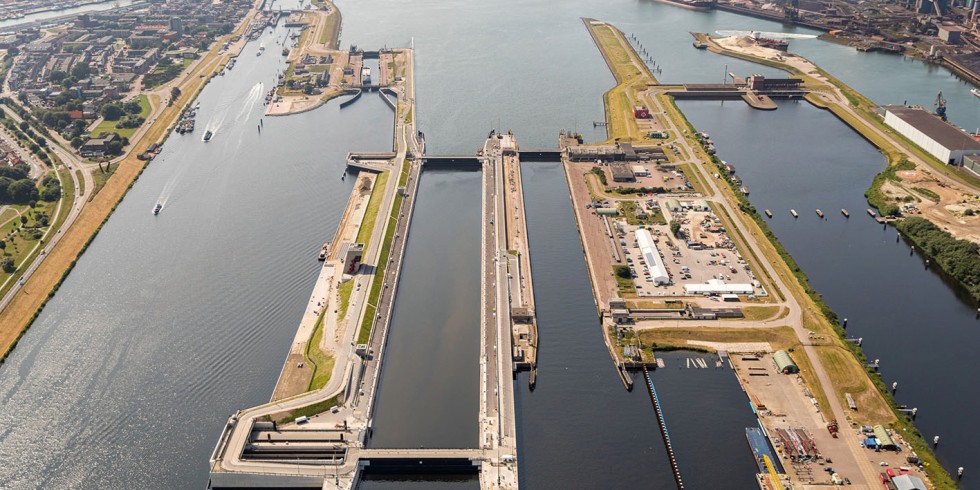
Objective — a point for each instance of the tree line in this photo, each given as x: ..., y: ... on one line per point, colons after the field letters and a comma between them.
x: 958, y: 258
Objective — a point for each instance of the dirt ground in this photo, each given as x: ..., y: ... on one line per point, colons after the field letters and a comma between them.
x: 593, y: 231
x: 783, y: 402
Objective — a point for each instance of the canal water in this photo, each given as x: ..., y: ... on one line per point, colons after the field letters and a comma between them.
x: 706, y: 413
x: 430, y: 392
x: 838, y: 180
x: 908, y: 316
x: 547, y: 74
x: 53, y: 14
x: 579, y: 428
x: 170, y: 323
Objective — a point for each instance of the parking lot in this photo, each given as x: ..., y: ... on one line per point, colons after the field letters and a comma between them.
x: 652, y: 175
x: 710, y: 254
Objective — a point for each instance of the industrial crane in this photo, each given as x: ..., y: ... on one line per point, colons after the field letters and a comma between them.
x: 941, y: 106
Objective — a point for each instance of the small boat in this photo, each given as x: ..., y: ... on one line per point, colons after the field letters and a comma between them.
x: 820, y: 213
x: 157, y: 208
x: 871, y: 212
x: 208, y: 135
x: 769, y: 213
x: 793, y: 212
x: 975, y: 92
x: 845, y: 213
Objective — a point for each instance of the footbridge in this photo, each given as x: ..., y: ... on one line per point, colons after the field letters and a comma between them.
x: 539, y: 155
x: 452, y: 160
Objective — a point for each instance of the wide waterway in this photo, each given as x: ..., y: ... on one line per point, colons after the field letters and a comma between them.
x: 167, y: 326
x: 706, y: 413
x: 908, y: 316
x: 170, y: 323
x: 429, y: 394
x: 579, y: 428
x: 55, y: 14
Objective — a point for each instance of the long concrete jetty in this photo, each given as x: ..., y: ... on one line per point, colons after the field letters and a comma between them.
x: 524, y: 323
x: 315, y: 439
x: 320, y: 439
x: 498, y: 425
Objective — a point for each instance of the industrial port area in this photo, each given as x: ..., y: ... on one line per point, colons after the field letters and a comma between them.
x: 674, y: 263
x: 940, y: 31
x: 379, y: 386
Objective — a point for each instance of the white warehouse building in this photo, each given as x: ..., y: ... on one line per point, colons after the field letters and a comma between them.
x: 941, y: 139
x: 717, y: 286
x: 658, y: 272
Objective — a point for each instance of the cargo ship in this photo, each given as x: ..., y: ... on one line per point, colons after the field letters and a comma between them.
x: 776, y: 44
x: 691, y: 4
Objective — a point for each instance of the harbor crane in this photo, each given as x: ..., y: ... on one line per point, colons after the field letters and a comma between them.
x: 940, y: 106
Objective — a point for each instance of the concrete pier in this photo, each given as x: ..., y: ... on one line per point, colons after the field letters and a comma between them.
x: 523, y: 319
x: 319, y: 439
x: 328, y: 428
x: 498, y: 425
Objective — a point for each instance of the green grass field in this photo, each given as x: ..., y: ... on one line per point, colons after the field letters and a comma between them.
x: 321, y: 362
x: 374, y: 204
x: 110, y: 126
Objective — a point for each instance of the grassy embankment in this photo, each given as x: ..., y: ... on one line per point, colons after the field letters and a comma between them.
x: 100, y: 177
x: 846, y: 374
x: 321, y: 362
x: 363, y: 234
x: 24, y: 309
x: 632, y: 76
x: 371, y: 309
x: 110, y: 126
x: 330, y: 31
x: 307, y: 411
x: 760, y: 313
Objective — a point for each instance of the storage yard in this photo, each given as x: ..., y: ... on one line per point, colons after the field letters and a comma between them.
x: 811, y: 447
x: 698, y: 260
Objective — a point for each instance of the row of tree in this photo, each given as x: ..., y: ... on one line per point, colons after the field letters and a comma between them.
x: 20, y: 191
x: 959, y: 258
x: 15, y: 185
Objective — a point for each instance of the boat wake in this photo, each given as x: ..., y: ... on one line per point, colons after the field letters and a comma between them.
x: 214, y: 124
x: 168, y: 188
x: 250, y: 100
